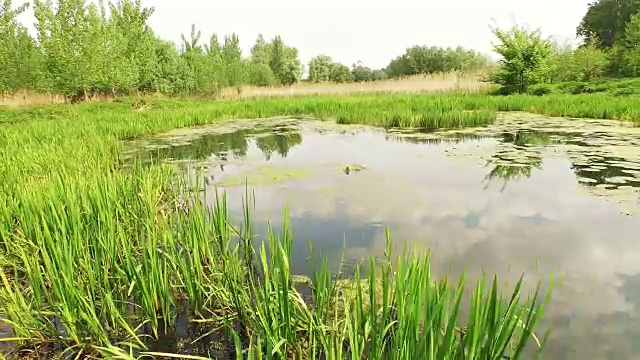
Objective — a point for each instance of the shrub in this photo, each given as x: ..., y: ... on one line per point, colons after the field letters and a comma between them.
x: 540, y: 89
x: 624, y: 92
x: 501, y: 90
x: 524, y: 58
x: 576, y: 87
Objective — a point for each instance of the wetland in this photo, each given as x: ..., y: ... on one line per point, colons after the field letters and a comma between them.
x: 529, y: 194
x: 197, y: 201
x: 168, y: 230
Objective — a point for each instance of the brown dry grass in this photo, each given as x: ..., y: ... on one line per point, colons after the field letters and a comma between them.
x: 453, y: 81
x: 25, y: 98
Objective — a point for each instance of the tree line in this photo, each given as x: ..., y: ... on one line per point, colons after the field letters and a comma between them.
x: 417, y: 60
x: 610, y: 33
x: 82, y: 48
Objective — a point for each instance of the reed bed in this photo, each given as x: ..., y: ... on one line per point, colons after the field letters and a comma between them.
x: 97, y: 259
x: 96, y: 277
x: 450, y: 81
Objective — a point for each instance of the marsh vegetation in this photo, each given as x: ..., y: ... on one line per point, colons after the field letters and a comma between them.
x: 105, y: 248
x: 100, y: 254
x: 147, y: 226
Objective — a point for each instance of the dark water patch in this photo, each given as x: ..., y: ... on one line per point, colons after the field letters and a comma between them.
x: 186, y: 337
x: 613, y: 172
x: 529, y: 194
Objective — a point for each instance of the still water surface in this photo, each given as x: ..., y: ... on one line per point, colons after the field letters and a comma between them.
x: 528, y: 194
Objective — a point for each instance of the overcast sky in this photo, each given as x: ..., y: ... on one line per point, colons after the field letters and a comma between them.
x: 372, y: 31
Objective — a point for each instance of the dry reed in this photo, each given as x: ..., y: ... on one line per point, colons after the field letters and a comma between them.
x: 452, y: 81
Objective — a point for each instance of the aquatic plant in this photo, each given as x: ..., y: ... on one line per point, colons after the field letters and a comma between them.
x: 93, y: 274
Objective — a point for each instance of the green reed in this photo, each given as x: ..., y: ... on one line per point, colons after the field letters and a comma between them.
x: 396, y: 311
x: 103, y: 270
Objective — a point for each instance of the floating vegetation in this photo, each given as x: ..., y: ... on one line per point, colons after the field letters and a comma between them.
x: 601, y: 151
x: 604, y: 154
x: 353, y: 168
x: 263, y: 175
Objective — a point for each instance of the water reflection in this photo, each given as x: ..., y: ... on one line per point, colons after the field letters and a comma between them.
x: 517, y: 154
x: 433, y: 191
x: 524, y: 139
x: 611, y: 172
x: 278, y: 139
x: 280, y: 143
x: 430, y: 138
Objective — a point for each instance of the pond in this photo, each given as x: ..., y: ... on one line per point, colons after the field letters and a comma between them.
x: 539, y: 195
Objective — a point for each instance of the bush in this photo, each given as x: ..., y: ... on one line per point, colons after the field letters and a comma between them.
x: 624, y: 92
x: 603, y: 87
x: 261, y: 75
x: 577, y: 87
x: 502, y: 90
x: 540, y: 89
x: 524, y: 58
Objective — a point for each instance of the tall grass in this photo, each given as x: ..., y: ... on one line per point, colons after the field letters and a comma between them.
x: 98, y: 258
x: 450, y: 81
x: 92, y: 273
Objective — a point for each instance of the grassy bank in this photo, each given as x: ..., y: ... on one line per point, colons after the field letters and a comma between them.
x: 617, y: 87
x: 98, y: 258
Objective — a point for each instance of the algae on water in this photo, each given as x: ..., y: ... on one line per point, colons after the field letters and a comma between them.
x: 263, y: 175
x: 603, y: 154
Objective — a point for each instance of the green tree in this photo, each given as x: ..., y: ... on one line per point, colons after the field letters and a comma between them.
x: 197, y: 76
x: 261, y: 51
x: 212, y: 66
x: 167, y: 68
x: 216, y: 59
x: 588, y: 62
x: 135, y: 43
x: 62, y: 42
x: 234, y: 68
x: 284, y: 62
x: 399, y: 67
x: 118, y: 70
x: 378, y: 74
x: 320, y: 68
x: 278, y: 57
x: 191, y: 44
x: 340, y: 73
x: 21, y: 60
x: 28, y: 64
x: 605, y: 21
x: 631, y: 56
x: 260, y: 74
x: 9, y: 30
x: 361, y: 73
x: 429, y: 60
x: 525, y: 56
x: 559, y: 63
x: 290, y: 71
